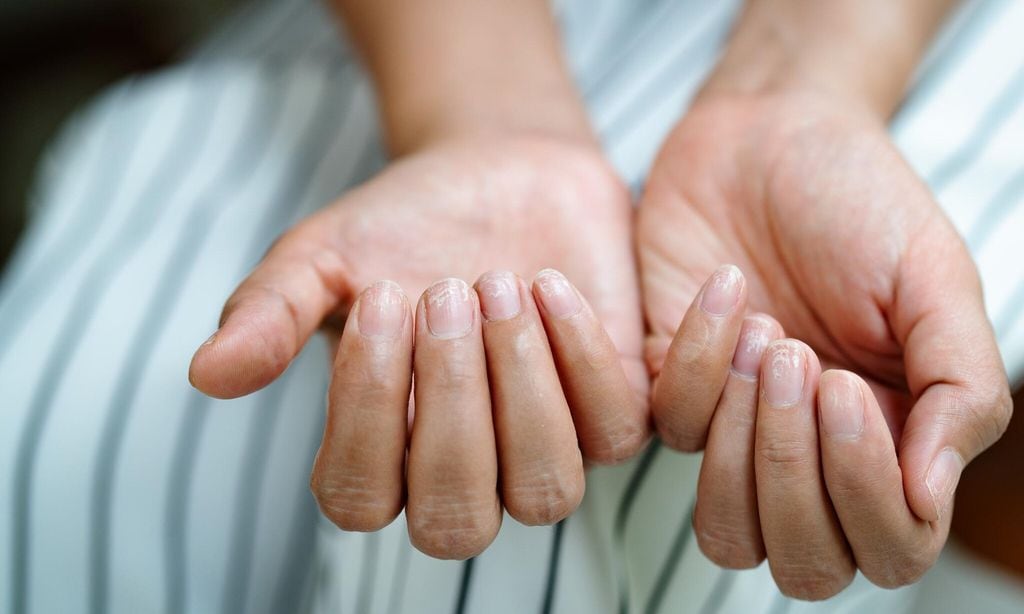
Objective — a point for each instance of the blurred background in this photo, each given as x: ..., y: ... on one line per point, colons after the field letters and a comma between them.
x: 56, y: 54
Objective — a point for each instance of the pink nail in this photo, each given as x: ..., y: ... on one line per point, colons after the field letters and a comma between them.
x: 943, y: 476
x: 842, y: 406
x: 382, y: 310
x: 722, y: 291
x: 449, y: 309
x: 557, y: 295
x: 755, y: 335
x: 499, y: 295
x: 783, y: 376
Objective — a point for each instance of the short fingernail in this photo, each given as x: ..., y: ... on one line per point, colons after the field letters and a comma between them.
x: 557, y: 294
x: 755, y: 334
x: 783, y: 375
x: 842, y: 408
x: 943, y: 476
x: 722, y: 291
x: 449, y: 308
x: 382, y: 310
x: 499, y: 295
x: 210, y: 339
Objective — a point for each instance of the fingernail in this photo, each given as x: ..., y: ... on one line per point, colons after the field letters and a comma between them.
x: 783, y: 379
x: 211, y: 339
x: 943, y: 476
x: 842, y: 408
x: 557, y: 294
x: 449, y: 309
x: 722, y: 291
x: 499, y: 295
x: 755, y: 334
x: 382, y: 310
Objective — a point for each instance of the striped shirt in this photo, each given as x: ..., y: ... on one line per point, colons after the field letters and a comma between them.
x: 123, y: 490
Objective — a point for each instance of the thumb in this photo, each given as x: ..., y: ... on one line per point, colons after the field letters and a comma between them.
x: 955, y: 373
x: 269, y: 318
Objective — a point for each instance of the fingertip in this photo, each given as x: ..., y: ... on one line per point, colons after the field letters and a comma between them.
x: 724, y: 291
x: 841, y: 407
x: 756, y: 332
x: 556, y: 295
x: 233, y: 363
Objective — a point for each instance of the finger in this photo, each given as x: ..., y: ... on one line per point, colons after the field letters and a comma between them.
x: 610, y: 419
x: 453, y: 510
x: 891, y: 545
x: 808, y: 556
x: 358, y: 475
x: 271, y: 315
x: 538, y: 457
x: 954, y: 372
x: 697, y: 363
x: 725, y: 519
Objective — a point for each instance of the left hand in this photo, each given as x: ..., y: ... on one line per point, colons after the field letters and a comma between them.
x: 845, y: 246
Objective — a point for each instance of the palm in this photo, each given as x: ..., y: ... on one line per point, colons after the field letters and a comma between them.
x: 461, y: 209
x: 829, y: 225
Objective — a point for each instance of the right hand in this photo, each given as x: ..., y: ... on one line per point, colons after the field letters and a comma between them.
x: 455, y: 209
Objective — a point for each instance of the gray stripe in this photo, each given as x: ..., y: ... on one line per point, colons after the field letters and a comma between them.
x: 121, y: 133
x: 183, y: 460
x: 995, y: 211
x: 557, y: 539
x: 622, y: 515
x: 247, y: 494
x: 368, y: 572
x: 194, y: 418
x: 396, y: 602
x: 462, y: 597
x: 1003, y: 106
x: 684, y: 535
x: 641, y: 30
x: 719, y: 592
x: 187, y: 246
x: 703, y: 45
x: 246, y: 156
x: 126, y: 241
x: 1011, y: 313
x: 780, y: 604
x: 231, y: 40
x: 292, y: 583
x: 982, y: 17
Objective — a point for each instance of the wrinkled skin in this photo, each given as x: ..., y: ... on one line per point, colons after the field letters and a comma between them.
x: 845, y: 247
x: 453, y: 210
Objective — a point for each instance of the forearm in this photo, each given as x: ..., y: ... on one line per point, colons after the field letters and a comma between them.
x: 450, y: 67
x: 862, y: 50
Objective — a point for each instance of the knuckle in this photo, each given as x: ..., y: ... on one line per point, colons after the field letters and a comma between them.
x: 812, y: 582
x: 899, y: 566
x: 786, y: 456
x: 452, y: 528
x: 726, y: 545
x: 861, y: 482
x: 678, y: 434
x: 544, y: 500
x: 353, y: 503
x: 617, y: 445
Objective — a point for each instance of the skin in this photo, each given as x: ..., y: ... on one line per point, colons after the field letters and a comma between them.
x: 475, y: 184
x: 784, y: 168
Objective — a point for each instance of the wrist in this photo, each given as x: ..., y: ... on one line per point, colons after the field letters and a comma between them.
x: 505, y: 110
x: 860, y: 51
x: 452, y: 68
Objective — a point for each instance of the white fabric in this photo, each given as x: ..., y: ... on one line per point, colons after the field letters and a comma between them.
x: 126, y: 491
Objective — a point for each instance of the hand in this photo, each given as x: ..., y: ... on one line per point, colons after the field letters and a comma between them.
x: 848, y: 250
x: 457, y: 208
